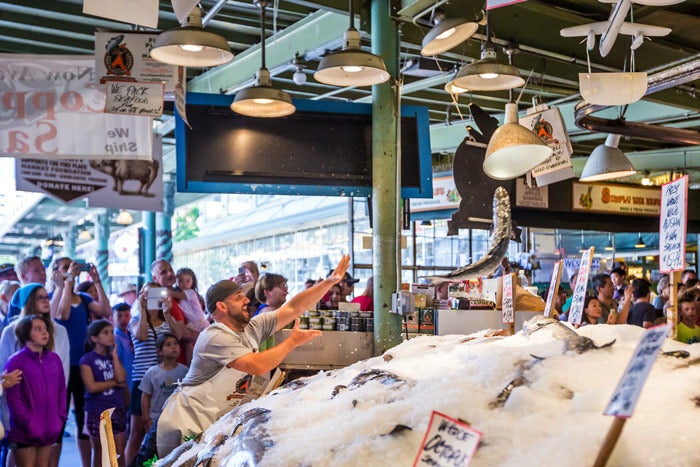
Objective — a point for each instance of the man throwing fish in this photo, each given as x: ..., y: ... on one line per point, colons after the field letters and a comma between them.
x: 226, y: 357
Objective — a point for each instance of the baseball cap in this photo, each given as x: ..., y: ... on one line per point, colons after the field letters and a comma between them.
x: 347, y: 278
x: 7, y: 268
x: 219, y: 292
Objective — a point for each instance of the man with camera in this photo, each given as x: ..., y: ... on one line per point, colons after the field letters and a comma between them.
x: 226, y: 359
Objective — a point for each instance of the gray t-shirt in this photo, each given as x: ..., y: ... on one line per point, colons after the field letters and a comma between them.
x: 160, y: 383
x: 218, y: 345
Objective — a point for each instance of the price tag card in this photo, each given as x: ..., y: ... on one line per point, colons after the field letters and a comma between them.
x: 627, y: 392
x: 138, y: 99
x: 553, y: 288
x: 447, y: 442
x: 576, y: 310
x: 674, y: 212
x: 507, y: 305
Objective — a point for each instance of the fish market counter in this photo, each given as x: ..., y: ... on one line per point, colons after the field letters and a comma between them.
x: 469, y: 321
x: 333, y: 349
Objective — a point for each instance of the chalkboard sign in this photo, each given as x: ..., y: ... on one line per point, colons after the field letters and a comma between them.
x: 324, y: 148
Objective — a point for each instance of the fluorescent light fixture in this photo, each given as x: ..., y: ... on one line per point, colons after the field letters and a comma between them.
x: 606, y: 162
x: 191, y: 45
x: 612, y: 88
x: 446, y: 34
x: 513, y: 149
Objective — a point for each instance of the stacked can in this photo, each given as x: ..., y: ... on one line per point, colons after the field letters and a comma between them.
x: 342, y: 319
x: 315, y: 320
x: 328, y: 323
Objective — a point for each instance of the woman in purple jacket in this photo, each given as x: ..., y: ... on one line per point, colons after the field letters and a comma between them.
x: 37, y: 405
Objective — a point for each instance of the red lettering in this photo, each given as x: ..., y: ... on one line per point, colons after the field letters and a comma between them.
x: 45, y: 101
x: 45, y: 137
x: 16, y: 145
x: 71, y: 100
x: 15, y: 101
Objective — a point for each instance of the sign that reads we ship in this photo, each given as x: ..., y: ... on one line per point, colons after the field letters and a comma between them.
x: 52, y: 108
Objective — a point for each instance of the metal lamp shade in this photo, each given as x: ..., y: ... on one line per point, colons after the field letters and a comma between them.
x: 447, y: 34
x: 612, y: 88
x: 351, y: 66
x: 262, y: 100
x: 606, y: 162
x: 487, y: 75
x: 168, y: 48
x: 513, y: 149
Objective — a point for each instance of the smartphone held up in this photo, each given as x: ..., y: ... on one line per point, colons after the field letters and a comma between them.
x: 155, y: 297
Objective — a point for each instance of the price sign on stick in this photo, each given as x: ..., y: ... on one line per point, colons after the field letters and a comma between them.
x: 672, y: 225
x: 447, y: 442
x: 576, y: 310
x: 553, y: 288
x: 507, y: 304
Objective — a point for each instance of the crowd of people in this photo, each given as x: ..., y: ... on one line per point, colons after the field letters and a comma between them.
x: 64, y: 347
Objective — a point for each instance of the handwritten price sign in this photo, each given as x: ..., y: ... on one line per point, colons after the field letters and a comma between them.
x: 448, y: 442
x: 138, y: 99
x: 576, y: 310
x: 507, y: 306
x: 674, y: 212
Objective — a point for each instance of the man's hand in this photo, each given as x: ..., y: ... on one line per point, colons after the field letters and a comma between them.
x: 302, y: 336
x: 340, y: 270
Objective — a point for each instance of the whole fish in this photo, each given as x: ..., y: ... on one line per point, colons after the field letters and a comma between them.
x: 500, y: 238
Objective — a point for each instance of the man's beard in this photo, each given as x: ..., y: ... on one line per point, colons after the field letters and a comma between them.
x: 242, y: 317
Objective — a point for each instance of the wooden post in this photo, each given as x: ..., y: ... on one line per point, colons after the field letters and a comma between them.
x: 672, y: 310
x: 610, y: 441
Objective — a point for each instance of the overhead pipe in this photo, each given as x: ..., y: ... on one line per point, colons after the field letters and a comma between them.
x: 660, y: 81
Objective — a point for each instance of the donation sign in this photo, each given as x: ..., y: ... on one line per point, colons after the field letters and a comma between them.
x: 672, y: 225
x: 576, y: 309
x: 447, y: 442
x: 507, y: 304
x: 630, y: 386
x: 52, y: 108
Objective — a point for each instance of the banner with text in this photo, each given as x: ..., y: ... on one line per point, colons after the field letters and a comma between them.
x: 123, y: 56
x: 108, y: 183
x: 672, y: 225
x: 617, y: 199
x: 445, y: 196
x: 52, y: 108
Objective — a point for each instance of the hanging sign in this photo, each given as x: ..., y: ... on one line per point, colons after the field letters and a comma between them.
x: 492, y: 4
x: 630, y: 386
x: 507, y: 303
x: 549, y: 125
x: 108, y: 183
x: 141, y: 12
x: 531, y: 197
x: 180, y: 96
x: 447, y: 442
x: 672, y: 225
x: 50, y: 108
x: 445, y: 196
x: 575, y: 263
x: 576, y: 309
x: 140, y: 99
x: 553, y: 288
x: 617, y: 199
x: 121, y: 56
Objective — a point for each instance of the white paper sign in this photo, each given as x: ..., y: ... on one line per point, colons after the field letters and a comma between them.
x: 576, y: 309
x: 630, y: 386
x: 447, y: 442
x: 615, y: 199
x: 122, y: 56
x: 181, y: 96
x: 182, y: 8
x: 553, y: 288
x: 507, y: 305
x: 531, y: 197
x: 672, y: 225
x: 575, y: 263
x: 139, y: 99
x: 141, y: 12
x: 549, y: 125
x: 50, y: 108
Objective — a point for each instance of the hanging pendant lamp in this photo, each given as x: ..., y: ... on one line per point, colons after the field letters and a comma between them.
x: 352, y: 66
x: 446, y: 34
x: 513, y: 150
x: 261, y: 99
x: 191, y: 45
x: 487, y: 74
x: 606, y: 162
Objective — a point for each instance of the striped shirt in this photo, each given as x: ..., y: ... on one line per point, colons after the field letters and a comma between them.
x: 145, y: 352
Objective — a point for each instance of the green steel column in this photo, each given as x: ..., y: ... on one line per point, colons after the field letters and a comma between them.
x: 149, y: 243
x: 102, y: 257
x: 387, y: 326
x: 69, y: 239
x: 164, y: 231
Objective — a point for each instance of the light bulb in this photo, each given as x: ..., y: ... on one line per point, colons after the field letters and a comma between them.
x: 352, y: 68
x: 191, y: 47
x: 299, y: 77
x: 488, y: 75
x: 263, y: 101
x: 646, y: 181
x: 445, y: 34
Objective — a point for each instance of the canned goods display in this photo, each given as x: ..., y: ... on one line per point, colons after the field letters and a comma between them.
x: 303, y: 322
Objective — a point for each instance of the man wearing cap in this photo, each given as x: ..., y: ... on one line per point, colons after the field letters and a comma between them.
x: 127, y: 293
x: 226, y: 357
x: 347, y: 286
x: 8, y: 273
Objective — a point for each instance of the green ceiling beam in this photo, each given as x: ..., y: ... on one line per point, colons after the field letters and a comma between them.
x: 315, y: 31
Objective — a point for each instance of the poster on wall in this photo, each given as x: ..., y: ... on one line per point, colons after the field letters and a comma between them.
x: 121, y: 56
x: 106, y: 183
x: 52, y: 108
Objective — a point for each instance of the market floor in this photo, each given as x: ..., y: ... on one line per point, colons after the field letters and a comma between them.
x: 70, y: 457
